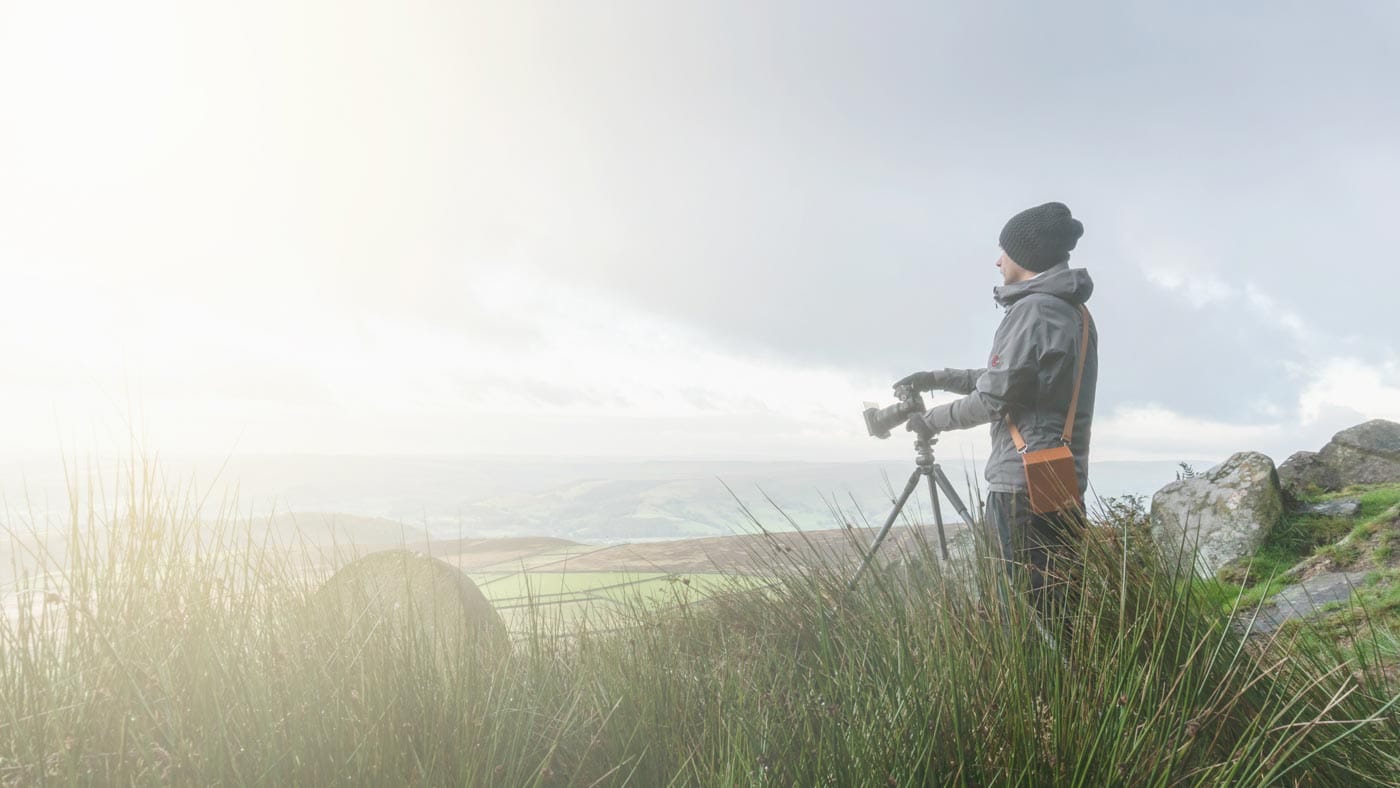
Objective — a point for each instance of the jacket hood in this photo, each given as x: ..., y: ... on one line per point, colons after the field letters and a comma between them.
x: 1072, y: 284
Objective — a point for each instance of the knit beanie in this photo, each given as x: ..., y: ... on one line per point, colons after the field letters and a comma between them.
x: 1040, y: 237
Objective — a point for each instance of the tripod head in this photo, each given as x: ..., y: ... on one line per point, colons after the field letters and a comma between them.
x: 923, y: 451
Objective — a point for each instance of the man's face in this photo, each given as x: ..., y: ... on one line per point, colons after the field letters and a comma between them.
x: 1011, y: 273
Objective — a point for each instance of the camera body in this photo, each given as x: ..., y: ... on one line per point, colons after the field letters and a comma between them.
x: 879, y: 421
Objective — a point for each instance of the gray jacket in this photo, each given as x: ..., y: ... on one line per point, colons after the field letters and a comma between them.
x: 1030, y: 375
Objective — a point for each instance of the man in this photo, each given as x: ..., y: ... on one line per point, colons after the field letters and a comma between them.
x: 1028, y: 381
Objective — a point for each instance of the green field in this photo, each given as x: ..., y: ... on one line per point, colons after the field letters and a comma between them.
x: 602, y: 598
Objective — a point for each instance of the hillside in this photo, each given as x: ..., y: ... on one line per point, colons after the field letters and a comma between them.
x: 578, y: 499
x: 738, y: 554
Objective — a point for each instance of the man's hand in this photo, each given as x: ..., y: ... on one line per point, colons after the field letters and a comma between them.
x: 922, y: 381
x: 918, y: 425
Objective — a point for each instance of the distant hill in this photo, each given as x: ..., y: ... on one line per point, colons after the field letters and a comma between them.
x: 331, y: 528
x: 754, y: 553
x: 385, y: 500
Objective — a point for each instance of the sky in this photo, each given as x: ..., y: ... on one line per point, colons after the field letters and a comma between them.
x: 684, y: 229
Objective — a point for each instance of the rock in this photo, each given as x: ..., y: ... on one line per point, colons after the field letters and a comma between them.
x: 398, y: 592
x: 1365, y: 454
x: 1305, y: 598
x: 1305, y: 472
x: 1342, y: 507
x: 1222, y: 515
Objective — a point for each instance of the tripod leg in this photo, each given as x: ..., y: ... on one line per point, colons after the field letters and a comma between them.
x: 885, y: 529
x: 937, y: 516
x: 952, y: 494
x: 1001, y: 548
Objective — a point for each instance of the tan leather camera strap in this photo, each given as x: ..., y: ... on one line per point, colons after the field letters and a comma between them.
x: 1074, y: 399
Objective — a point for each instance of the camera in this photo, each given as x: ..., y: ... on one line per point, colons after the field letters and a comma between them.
x: 879, y: 421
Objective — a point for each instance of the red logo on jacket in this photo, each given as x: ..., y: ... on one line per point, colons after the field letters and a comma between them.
x: 994, y: 361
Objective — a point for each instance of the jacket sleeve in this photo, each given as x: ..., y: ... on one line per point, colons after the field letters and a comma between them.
x: 960, y: 381
x: 1010, y: 378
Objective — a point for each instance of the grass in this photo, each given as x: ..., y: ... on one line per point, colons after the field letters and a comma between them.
x: 1377, y: 501
x: 1299, y: 536
x: 167, y: 648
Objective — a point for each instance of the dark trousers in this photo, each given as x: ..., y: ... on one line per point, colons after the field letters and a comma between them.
x: 1040, y: 552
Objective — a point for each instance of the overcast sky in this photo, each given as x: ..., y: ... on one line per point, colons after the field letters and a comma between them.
x: 680, y: 229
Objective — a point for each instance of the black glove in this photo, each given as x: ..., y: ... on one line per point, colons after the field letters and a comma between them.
x: 922, y: 381
x: 917, y: 424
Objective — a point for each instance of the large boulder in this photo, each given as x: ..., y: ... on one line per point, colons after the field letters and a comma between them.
x: 404, y: 594
x: 1365, y: 454
x: 1221, y: 515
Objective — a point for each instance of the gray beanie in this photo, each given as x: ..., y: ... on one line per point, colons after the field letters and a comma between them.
x: 1040, y: 237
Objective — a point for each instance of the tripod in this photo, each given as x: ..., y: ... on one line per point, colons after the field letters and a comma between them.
x: 925, y: 466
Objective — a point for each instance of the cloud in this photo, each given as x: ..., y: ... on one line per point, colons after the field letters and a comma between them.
x: 542, y: 366
x: 1366, y: 386
x: 1193, y: 278
x: 1270, y: 311
x: 1152, y: 432
x: 1319, y: 392
x: 477, y: 226
x: 1338, y: 393
x: 1200, y: 288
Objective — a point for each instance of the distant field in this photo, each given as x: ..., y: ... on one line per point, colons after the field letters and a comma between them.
x: 563, y: 581
x: 566, y: 583
x: 599, y: 597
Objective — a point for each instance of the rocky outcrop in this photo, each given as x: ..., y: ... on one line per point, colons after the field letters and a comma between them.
x: 1365, y: 454
x: 1342, y: 507
x: 1219, y: 516
x: 1304, y: 599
